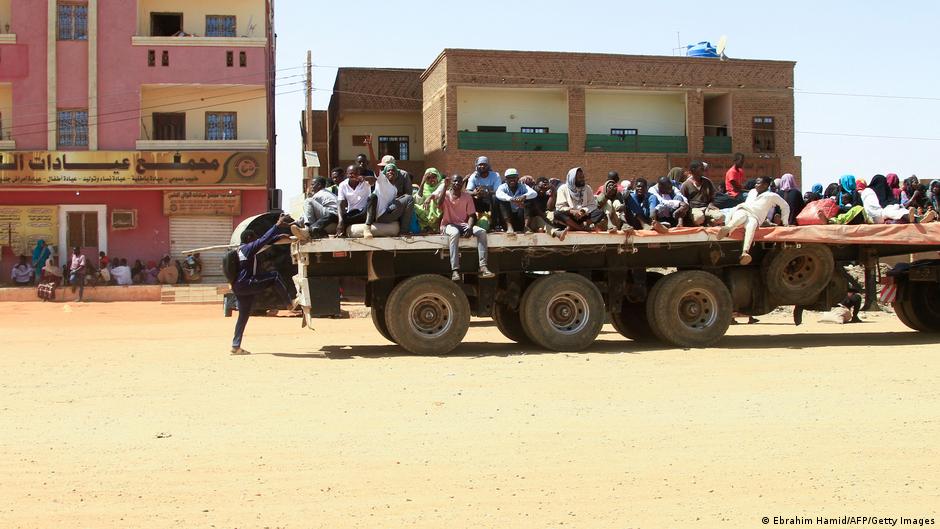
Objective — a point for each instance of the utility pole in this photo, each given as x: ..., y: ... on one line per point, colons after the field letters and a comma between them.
x: 308, y: 119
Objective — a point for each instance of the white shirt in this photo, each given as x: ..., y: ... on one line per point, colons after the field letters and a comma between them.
x: 760, y: 206
x: 22, y: 273
x: 356, y: 199
x: 122, y: 275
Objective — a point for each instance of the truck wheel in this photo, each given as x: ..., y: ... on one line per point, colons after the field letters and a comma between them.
x: 432, y: 314
x: 689, y: 309
x: 918, y: 306
x: 562, y: 312
x: 378, y: 319
x: 796, y: 276
x: 508, y: 322
x: 631, y: 321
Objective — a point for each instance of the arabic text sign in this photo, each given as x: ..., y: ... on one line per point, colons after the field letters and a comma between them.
x: 202, y: 203
x: 22, y: 226
x: 120, y: 168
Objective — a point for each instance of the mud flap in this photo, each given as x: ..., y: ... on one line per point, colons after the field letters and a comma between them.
x: 304, y: 300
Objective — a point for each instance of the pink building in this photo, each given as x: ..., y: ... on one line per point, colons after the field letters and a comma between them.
x: 135, y: 127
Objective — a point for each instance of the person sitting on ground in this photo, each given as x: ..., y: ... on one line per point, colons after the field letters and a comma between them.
x: 104, y: 268
x: 667, y: 205
x: 22, y: 273
x: 426, y: 210
x: 151, y: 273
x: 543, y: 208
x: 249, y: 284
x: 122, y: 273
x: 482, y: 185
x: 515, y: 203
x: 734, y: 178
x: 700, y: 192
x: 353, y: 197
x: 77, y: 270
x: 752, y: 213
x: 880, y: 206
x: 137, y: 272
x: 458, y: 219
x: 321, y: 210
x: 49, y: 279
x: 337, y: 175
x: 391, y: 201
x: 192, y: 268
x: 576, y: 208
x: 168, y: 275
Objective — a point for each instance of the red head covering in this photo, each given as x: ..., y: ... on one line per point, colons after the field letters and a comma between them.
x: 894, y: 183
x: 860, y: 185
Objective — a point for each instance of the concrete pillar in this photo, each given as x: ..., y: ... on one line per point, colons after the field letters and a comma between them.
x: 576, y: 120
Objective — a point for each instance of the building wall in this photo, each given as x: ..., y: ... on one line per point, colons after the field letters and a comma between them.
x: 196, y: 101
x: 194, y: 14
x: 30, y: 95
x: 661, y: 114
x: 380, y: 124
x: 72, y: 74
x: 513, y: 108
x: 6, y: 109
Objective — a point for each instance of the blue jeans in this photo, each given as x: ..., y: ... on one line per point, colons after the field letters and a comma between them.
x: 245, y: 292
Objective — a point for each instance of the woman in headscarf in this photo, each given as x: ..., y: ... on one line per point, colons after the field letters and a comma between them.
x: 850, y: 203
x: 933, y: 196
x: 894, y: 183
x: 814, y: 195
x: 832, y: 191
x: 426, y: 209
x: 41, y: 254
x: 877, y: 200
x: 790, y: 193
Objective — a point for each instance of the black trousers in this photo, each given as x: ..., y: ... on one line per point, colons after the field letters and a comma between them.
x: 518, y: 218
x: 562, y: 218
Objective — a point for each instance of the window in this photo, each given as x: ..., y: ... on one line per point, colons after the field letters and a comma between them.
x: 83, y: 229
x: 220, y: 26
x: 242, y: 59
x: 166, y: 58
x: 763, y: 127
x: 73, y: 21
x: 166, y: 24
x: 169, y: 126
x: 534, y: 130
x: 230, y: 59
x: 151, y: 58
x: 397, y: 146
x: 624, y: 132
x: 221, y: 126
x: 489, y: 128
x: 73, y: 128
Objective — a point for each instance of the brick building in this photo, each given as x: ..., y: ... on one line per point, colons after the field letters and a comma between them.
x: 383, y: 103
x: 545, y: 112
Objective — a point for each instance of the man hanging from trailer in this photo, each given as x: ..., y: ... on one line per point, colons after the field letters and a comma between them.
x: 753, y: 212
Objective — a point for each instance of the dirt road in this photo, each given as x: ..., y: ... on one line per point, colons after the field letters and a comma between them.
x: 132, y: 415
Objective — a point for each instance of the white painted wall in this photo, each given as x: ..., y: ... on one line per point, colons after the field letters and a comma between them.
x: 195, y: 11
x: 651, y: 113
x: 513, y: 108
x: 377, y: 124
x: 252, y: 120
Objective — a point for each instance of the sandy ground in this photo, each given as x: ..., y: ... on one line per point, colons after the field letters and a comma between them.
x: 130, y: 415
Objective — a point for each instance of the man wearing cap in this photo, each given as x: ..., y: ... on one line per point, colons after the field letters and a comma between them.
x: 481, y: 185
x: 389, y: 159
x: 515, y: 203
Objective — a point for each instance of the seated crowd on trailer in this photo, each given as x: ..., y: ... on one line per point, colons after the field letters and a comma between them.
x: 484, y: 201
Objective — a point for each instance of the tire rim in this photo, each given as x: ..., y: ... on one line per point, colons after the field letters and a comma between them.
x: 698, y: 309
x: 431, y: 316
x: 568, y: 313
x: 801, y: 271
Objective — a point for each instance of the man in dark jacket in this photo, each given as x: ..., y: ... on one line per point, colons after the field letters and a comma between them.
x: 250, y: 283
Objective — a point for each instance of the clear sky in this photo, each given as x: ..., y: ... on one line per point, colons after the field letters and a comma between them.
x: 860, y: 47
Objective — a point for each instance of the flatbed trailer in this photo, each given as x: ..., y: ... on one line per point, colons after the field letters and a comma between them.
x: 558, y: 294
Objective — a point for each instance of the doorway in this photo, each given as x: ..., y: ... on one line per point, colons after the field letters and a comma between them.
x: 84, y: 226
x: 169, y: 126
x: 165, y: 24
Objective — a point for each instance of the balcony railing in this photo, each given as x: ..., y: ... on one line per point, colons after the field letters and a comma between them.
x: 717, y: 145
x: 511, y: 141
x: 227, y: 42
x: 608, y: 143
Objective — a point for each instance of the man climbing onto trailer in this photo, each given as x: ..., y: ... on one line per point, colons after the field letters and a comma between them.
x: 753, y: 212
x: 458, y: 218
x: 250, y: 283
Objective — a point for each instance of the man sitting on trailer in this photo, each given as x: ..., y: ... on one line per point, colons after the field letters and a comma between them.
x: 667, y: 205
x: 700, y: 192
x: 482, y: 185
x: 353, y: 200
x: 576, y: 208
x: 640, y: 197
x: 391, y: 201
x: 458, y: 218
x: 752, y: 213
x: 543, y: 207
x: 515, y: 201
x: 320, y: 210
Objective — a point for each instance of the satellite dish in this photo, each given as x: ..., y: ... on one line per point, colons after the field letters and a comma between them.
x: 722, y: 44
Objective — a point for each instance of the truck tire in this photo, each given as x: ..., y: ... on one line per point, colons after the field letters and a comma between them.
x: 796, y: 276
x: 509, y: 323
x: 562, y: 312
x: 689, y: 309
x: 378, y: 319
x: 631, y: 321
x: 431, y: 314
x: 918, y: 306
